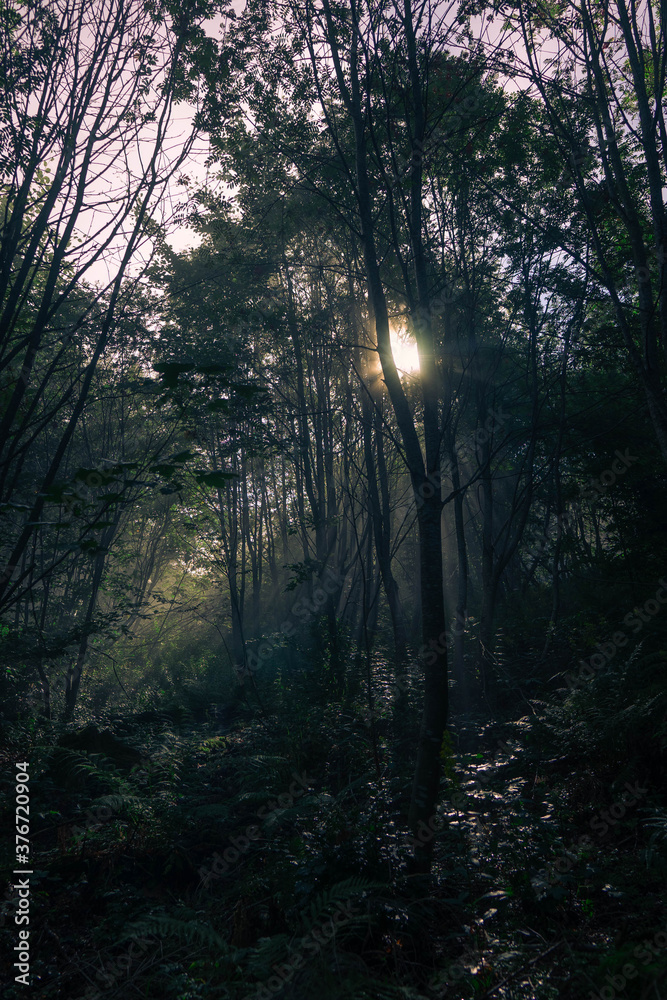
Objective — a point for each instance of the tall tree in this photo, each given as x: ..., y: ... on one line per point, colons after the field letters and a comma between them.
x: 89, y: 90
x: 602, y: 90
x: 368, y: 86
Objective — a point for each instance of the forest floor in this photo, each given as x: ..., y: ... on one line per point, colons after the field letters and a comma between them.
x: 264, y: 859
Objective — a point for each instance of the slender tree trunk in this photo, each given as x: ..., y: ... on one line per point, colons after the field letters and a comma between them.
x: 459, y: 670
x: 489, y: 589
x: 74, y: 674
x: 46, y: 689
x: 378, y: 501
x: 558, y: 495
x: 384, y: 553
x: 426, y: 781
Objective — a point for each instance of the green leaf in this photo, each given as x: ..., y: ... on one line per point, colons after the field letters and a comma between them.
x: 170, y: 370
x: 217, y: 479
x: 213, y: 369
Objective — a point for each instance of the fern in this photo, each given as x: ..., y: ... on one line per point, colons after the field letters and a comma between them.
x: 655, y: 659
x: 267, y: 952
x: 639, y: 709
x: 259, y: 761
x: 657, y: 823
x: 383, y: 991
x: 214, y: 744
x: 117, y: 801
x: 73, y: 767
x: 249, y: 799
x: 324, y: 901
x: 190, y: 931
x: 214, y: 810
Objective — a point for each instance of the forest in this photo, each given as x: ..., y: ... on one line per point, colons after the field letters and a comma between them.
x: 333, y: 459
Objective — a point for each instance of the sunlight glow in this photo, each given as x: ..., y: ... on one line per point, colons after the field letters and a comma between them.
x: 404, y: 349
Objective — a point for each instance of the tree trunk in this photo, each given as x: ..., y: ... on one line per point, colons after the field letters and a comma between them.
x: 74, y: 674
x: 485, y: 637
x: 425, y: 467
x: 426, y: 782
x: 384, y: 553
x: 459, y: 670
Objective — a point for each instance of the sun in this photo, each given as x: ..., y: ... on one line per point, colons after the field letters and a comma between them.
x: 404, y: 349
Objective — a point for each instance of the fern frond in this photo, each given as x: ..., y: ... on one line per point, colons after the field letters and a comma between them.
x: 190, y: 931
x: 215, y: 810
x: 116, y: 802
x: 263, y: 761
x: 249, y: 799
x: 325, y: 900
x: 267, y: 952
x: 72, y: 767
